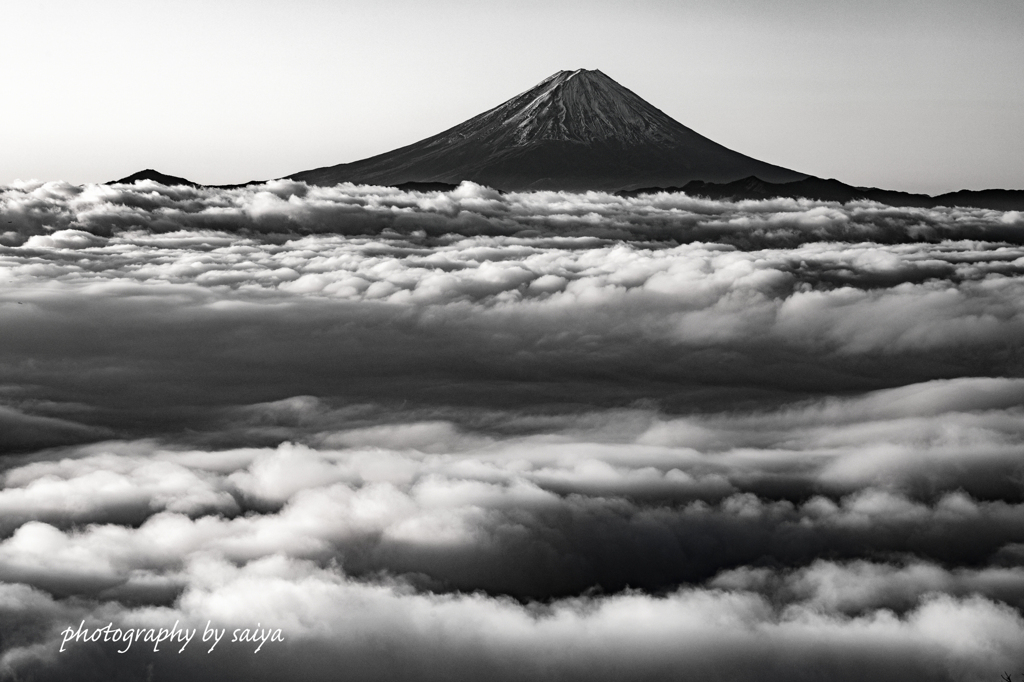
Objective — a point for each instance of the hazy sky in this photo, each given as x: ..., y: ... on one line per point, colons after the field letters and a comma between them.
x: 921, y: 96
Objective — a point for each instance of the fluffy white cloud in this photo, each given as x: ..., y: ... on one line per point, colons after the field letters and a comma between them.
x: 284, y: 206
x: 540, y: 514
x: 382, y: 630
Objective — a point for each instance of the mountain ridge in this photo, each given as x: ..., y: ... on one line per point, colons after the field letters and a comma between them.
x: 819, y: 189
x: 813, y: 188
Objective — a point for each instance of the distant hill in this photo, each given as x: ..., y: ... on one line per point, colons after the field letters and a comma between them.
x: 834, y: 190
x: 155, y: 176
x: 172, y: 180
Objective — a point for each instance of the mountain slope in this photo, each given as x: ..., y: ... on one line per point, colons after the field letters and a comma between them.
x: 576, y: 130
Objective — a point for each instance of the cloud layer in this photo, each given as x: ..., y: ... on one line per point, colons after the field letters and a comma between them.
x: 469, y: 552
x: 105, y: 320
x: 284, y: 207
x: 548, y: 436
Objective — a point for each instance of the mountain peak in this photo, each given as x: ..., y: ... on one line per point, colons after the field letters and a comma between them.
x: 582, y: 106
x: 574, y: 130
x: 583, y: 73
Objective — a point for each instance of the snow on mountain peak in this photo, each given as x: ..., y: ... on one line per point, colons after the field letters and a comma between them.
x: 583, y: 106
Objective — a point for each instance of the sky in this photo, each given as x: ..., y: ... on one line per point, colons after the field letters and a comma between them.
x: 917, y: 96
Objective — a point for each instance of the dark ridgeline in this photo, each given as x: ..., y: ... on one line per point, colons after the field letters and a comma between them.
x: 577, y: 130
x: 173, y: 180
x: 834, y: 190
x: 155, y: 176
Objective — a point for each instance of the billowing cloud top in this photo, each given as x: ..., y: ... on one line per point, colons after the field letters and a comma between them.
x: 467, y: 434
x: 288, y: 207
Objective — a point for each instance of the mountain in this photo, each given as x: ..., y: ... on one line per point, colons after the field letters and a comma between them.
x: 580, y: 130
x: 172, y: 180
x: 576, y: 130
x: 834, y: 190
x: 155, y: 176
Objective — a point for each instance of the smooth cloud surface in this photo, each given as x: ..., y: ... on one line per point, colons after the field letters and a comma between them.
x: 548, y: 436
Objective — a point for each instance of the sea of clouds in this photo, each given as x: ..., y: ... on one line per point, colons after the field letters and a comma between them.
x: 466, y: 435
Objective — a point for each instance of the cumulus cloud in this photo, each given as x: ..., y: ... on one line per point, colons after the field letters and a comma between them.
x: 469, y: 434
x: 527, y: 517
x: 379, y: 630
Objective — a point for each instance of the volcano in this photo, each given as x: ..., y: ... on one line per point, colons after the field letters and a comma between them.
x: 576, y: 130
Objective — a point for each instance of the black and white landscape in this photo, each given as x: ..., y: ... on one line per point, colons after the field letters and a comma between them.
x: 565, y: 392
